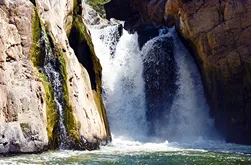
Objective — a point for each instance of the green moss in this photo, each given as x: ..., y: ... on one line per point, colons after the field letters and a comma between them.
x: 84, y: 35
x: 98, y: 5
x: 37, y: 56
x: 25, y: 127
x: 52, y: 115
x: 70, y: 121
x: 77, y: 9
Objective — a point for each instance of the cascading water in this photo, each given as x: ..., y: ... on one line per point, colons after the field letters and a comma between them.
x: 123, y: 83
x: 153, y: 93
x: 189, y: 117
x: 52, y: 69
x: 138, y: 84
x: 184, y: 113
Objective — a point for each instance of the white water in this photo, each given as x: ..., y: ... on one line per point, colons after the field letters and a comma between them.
x: 124, y: 94
x: 123, y: 83
x: 55, y: 80
x: 189, y: 118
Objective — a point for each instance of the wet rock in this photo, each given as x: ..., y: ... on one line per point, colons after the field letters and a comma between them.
x: 160, y: 74
x: 145, y: 33
x: 220, y: 34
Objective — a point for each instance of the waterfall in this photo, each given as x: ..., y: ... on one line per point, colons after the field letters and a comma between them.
x: 122, y: 82
x: 152, y: 93
x: 189, y: 117
x: 186, y: 113
x: 51, y: 68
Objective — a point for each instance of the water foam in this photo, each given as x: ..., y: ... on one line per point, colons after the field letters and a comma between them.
x: 123, y: 83
x: 189, y: 118
x: 124, y: 92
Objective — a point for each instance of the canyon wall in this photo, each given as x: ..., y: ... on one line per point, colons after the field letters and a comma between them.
x: 29, y: 115
x: 218, y: 33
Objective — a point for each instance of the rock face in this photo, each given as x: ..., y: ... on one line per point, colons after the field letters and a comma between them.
x: 119, y: 10
x: 151, y: 11
x: 160, y: 75
x: 22, y: 96
x: 137, y: 12
x: 29, y: 119
x: 220, y: 34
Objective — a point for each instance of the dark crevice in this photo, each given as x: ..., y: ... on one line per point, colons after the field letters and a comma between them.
x: 83, y: 53
x: 221, y: 12
x: 33, y: 2
x: 78, y: 8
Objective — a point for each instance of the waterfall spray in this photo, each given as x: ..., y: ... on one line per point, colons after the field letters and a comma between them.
x: 157, y: 89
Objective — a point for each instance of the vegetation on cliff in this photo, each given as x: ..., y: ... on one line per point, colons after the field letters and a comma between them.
x: 82, y: 45
x: 98, y: 5
x: 79, y: 33
x: 37, y: 56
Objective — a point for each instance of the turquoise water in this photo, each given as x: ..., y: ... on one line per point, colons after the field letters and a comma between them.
x: 131, y: 152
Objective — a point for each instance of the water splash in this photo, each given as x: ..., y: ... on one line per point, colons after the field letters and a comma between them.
x: 184, y: 114
x: 123, y: 83
x: 189, y: 118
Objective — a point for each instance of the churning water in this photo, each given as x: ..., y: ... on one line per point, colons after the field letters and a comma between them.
x: 129, y: 152
x: 123, y: 83
x: 128, y: 78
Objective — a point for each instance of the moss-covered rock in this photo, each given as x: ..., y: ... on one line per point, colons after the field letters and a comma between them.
x: 70, y: 122
x: 98, y: 5
x: 37, y: 56
x: 77, y: 32
x: 81, y: 42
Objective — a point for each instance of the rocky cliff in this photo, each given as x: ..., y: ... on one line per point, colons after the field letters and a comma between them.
x: 218, y: 34
x: 34, y: 35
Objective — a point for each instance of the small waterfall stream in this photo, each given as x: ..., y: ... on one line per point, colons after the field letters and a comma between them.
x: 153, y: 93
x: 52, y: 69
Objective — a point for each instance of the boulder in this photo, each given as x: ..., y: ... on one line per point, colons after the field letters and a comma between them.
x: 160, y: 75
